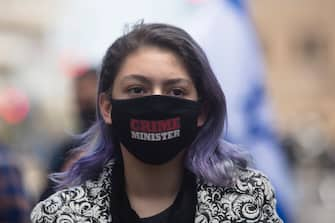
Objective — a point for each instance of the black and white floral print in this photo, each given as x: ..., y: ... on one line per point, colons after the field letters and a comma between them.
x: 86, y: 203
x: 250, y: 199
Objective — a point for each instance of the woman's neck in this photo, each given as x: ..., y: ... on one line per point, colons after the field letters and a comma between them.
x: 151, y: 188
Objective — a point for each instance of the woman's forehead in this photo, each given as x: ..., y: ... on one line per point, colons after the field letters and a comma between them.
x: 153, y: 63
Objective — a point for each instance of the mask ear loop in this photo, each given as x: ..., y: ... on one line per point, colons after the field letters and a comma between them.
x: 114, y: 137
x: 109, y: 94
x: 204, y: 110
x: 116, y: 144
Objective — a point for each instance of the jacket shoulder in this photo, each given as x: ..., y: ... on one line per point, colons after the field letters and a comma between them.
x: 85, y: 203
x: 250, y: 198
x: 88, y: 202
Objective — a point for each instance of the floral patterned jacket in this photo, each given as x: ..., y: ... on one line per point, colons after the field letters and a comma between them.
x: 251, y: 199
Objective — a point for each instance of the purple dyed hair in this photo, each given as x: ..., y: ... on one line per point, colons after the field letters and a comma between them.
x: 209, y: 157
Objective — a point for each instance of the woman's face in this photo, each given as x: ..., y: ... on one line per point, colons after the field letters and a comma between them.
x: 150, y: 71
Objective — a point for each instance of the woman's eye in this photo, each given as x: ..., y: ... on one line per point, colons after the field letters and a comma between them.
x: 136, y: 90
x: 177, y: 92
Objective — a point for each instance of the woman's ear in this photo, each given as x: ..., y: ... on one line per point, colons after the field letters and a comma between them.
x: 105, y: 108
x: 202, y: 117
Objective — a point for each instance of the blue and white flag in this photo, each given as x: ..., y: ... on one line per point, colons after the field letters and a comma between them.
x: 224, y: 30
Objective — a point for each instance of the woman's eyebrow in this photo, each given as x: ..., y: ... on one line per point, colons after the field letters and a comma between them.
x: 143, y: 79
x: 178, y: 81
x: 137, y: 77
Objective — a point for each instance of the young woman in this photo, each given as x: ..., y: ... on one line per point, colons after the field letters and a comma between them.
x: 156, y: 152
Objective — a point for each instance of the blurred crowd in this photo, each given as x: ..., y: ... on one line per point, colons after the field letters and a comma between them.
x: 15, y: 201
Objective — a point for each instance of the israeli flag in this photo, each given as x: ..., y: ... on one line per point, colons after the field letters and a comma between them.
x: 224, y: 30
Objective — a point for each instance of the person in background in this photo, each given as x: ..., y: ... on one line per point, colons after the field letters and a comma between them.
x: 85, y: 89
x: 84, y: 86
x: 14, y: 203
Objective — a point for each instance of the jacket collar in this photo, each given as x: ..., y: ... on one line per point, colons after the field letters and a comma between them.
x: 250, y: 199
x: 182, y: 210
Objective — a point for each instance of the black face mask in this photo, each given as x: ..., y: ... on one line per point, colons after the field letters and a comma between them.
x: 155, y: 128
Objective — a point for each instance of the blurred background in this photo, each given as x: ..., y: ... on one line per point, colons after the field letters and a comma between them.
x: 274, y: 59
